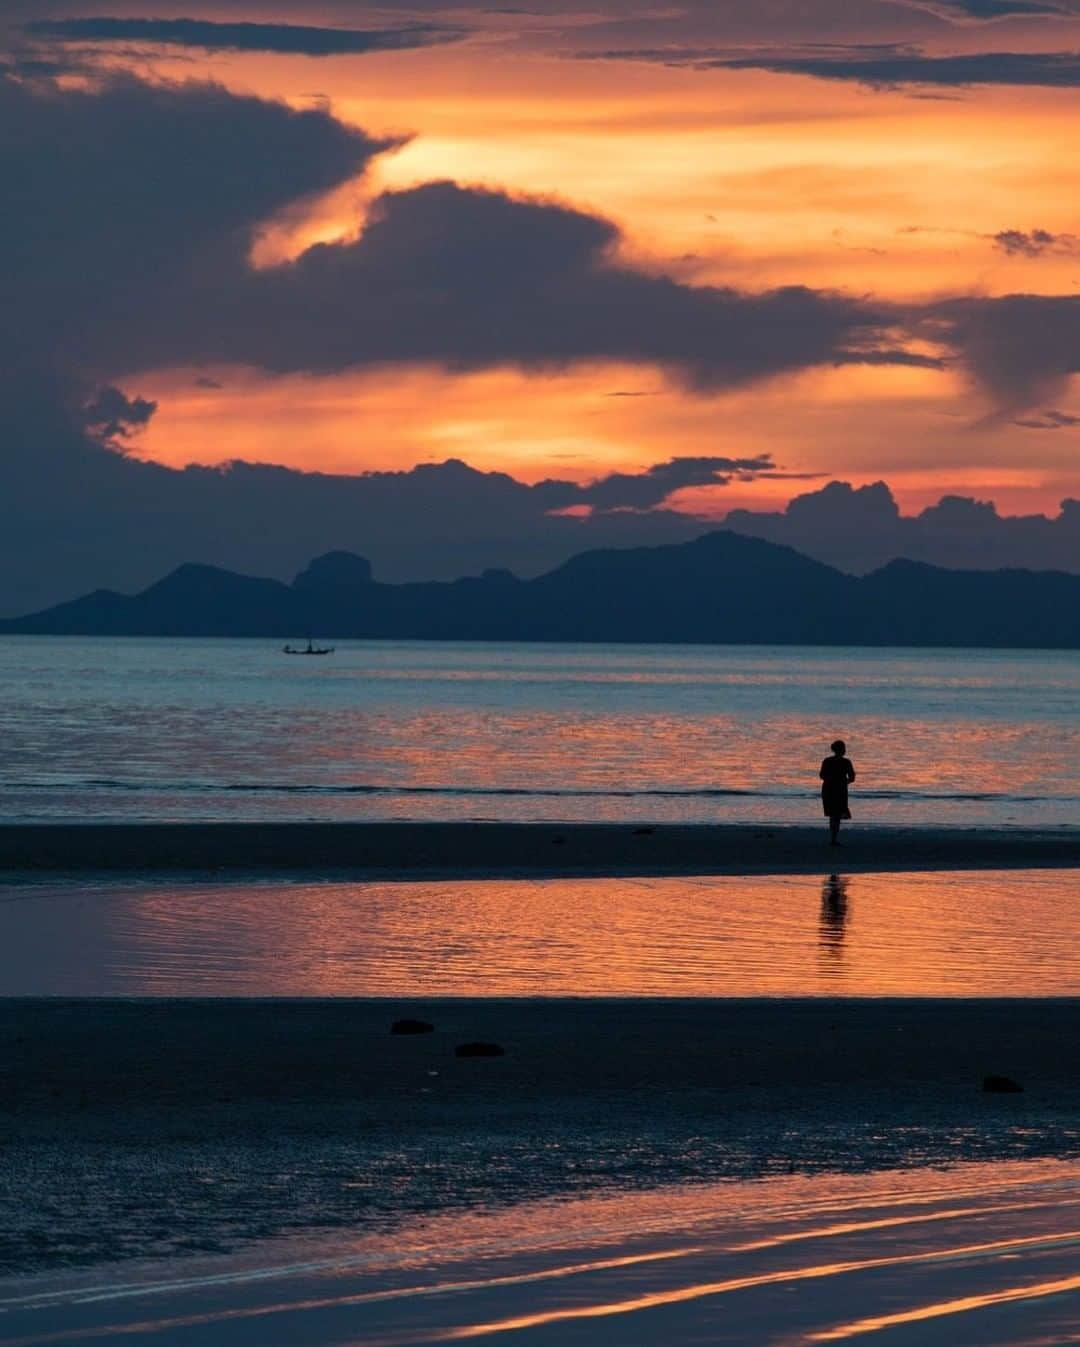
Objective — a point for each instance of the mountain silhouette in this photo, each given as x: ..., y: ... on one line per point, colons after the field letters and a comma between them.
x: 722, y: 587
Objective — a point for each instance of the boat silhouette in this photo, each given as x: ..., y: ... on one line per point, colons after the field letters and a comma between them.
x: 309, y: 649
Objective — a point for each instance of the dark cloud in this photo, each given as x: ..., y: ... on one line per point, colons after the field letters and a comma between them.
x: 111, y: 415
x: 274, y: 37
x: 122, y: 198
x: 171, y: 182
x: 859, y: 529
x: 467, y: 278
x: 646, y: 489
x: 986, y: 10
x: 879, y: 67
x: 1034, y: 242
x: 1022, y: 349
x: 1051, y: 419
x: 77, y: 514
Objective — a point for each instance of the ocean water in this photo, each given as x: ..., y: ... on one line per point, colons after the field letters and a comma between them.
x: 985, y: 933
x: 203, y: 729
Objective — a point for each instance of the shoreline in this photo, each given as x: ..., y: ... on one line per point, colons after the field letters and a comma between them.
x: 509, y: 850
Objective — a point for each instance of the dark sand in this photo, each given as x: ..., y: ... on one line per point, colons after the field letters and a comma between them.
x: 138, y: 1128
x: 448, y: 850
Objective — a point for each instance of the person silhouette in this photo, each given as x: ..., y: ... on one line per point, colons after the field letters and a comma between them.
x: 836, y: 774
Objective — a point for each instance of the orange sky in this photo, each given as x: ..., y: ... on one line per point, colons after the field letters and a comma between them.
x: 739, y: 178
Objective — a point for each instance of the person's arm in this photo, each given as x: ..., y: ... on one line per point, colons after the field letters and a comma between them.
x: 850, y: 772
x: 824, y: 764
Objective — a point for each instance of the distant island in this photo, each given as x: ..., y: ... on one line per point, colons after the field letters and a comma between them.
x: 721, y: 588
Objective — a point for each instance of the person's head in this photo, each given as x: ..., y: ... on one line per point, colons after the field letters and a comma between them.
x: 838, y: 747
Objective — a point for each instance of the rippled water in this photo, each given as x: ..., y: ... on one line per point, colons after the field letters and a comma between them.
x: 956, y: 934
x: 140, y: 729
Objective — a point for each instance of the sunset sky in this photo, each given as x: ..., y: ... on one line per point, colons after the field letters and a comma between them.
x: 569, y: 240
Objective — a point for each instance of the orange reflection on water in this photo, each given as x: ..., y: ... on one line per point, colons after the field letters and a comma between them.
x: 670, y: 1253
x: 958, y: 934
x: 961, y: 1305
x: 703, y: 1290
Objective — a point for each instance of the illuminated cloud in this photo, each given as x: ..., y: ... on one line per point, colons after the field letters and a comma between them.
x: 295, y: 39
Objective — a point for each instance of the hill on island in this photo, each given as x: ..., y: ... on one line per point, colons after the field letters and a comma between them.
x: 720, y: 588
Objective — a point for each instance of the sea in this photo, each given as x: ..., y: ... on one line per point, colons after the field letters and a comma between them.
x: 200, y: 730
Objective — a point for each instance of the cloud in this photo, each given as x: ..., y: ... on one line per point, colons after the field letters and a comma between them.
x: 270, y: 37
x: 647, y: 489
x: 172, y: 181
x: 981, y: 11
x: 1051, y: 419
x: 880, y: 67
x: 1021, y: 348
x: 121, y: 196
x: 111, y: 415
x: 467, y: 278
x: 861, y: 528
x: 1034, y: 242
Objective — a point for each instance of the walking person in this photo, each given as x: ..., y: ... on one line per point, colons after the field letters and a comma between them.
x: 836, y: 774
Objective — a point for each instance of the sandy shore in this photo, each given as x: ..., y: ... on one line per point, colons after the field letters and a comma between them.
x: 449, y: 850
x: 974, y: 1254
x: 133, y: 1129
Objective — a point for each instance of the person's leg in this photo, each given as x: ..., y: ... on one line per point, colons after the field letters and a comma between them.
x: 834, y: 830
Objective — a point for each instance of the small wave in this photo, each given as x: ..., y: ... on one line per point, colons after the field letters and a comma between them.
x: 526, y: 792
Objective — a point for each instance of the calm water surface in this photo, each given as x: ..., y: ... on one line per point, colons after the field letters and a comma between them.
x: 958, y: 934
x: 141, y: 729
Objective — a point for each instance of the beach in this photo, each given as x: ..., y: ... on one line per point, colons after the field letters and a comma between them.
x: 491, y: 849
x: 736, y: 1093
x: 540, y: 675
x: 136, y: 1129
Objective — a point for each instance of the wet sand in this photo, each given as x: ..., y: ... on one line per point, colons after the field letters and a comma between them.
x: 150, y: 1128
x: 449, y: 850
x: 979, y: 1254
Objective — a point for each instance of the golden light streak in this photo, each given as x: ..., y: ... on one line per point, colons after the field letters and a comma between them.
x: 963, y: 1305
x: 886, y: 1223
x: 337, y: 1302
x: 684, y: 1294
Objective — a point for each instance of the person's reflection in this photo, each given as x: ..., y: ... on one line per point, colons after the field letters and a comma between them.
x: 834, y: 915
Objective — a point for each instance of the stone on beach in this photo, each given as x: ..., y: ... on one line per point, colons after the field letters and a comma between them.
x: 479, y: 1050
x: 412, y: 1027
x: 1001, y: 1085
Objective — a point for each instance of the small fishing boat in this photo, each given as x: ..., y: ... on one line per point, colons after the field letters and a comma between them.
x: 309, y: 649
